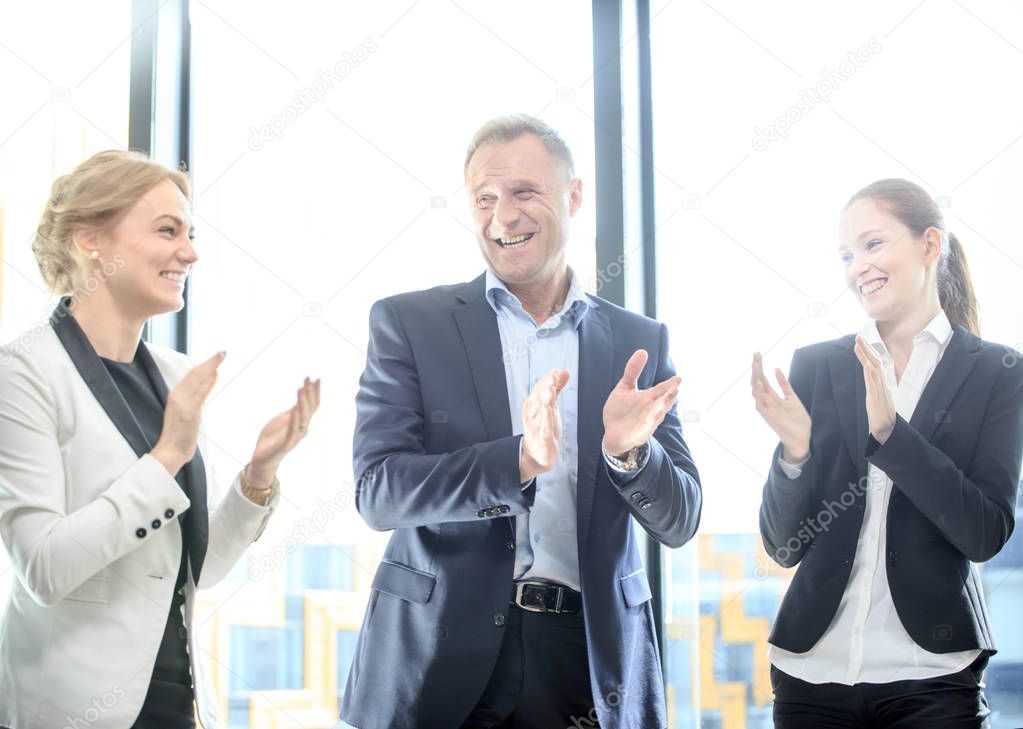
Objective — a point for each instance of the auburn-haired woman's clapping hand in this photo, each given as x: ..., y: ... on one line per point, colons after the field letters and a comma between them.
x: 785, y: 413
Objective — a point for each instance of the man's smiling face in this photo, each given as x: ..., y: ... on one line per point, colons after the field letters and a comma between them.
x: 522, y: 202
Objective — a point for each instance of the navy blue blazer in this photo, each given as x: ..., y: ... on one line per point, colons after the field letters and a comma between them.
x: 436, y: 462
x: 955, y: 467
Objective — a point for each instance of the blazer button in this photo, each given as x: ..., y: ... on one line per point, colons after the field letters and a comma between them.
x: 893, y: 556
x: 140, y: 532
x: 637, y: 495
x: 499, y: 619
x: 169, y: 514
x: 510, y: 545
x: 646, y: 505
x: 156, y: 524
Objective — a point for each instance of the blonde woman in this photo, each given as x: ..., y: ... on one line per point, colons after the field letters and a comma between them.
x: 104, y: 493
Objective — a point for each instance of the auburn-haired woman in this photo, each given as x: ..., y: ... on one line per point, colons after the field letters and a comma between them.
x: 104, y: 495
x: 897, y: 469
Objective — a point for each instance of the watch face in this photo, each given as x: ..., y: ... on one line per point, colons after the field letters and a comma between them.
x: 629, y: 463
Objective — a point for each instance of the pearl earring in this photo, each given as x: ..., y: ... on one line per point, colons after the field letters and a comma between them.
x: 95, y: 254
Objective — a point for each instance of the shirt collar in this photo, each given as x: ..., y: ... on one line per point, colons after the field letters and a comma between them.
x: 938, y: 330
x: 576, y: 303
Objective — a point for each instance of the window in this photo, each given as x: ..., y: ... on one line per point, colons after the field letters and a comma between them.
x: 327, y: 174
x: 324, y: 180
x: 765, y: 123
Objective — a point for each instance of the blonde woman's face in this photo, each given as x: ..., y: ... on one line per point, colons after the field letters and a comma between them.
x: 886, y: 266
x: 153, y: 251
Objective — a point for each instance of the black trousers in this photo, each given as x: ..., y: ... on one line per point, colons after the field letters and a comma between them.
x: 542, y: 677
x: 954, y: 701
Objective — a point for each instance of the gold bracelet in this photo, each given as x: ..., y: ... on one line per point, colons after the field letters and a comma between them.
x: 257, y: 496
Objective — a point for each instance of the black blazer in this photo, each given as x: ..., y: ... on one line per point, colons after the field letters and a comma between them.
x: 955, y: 468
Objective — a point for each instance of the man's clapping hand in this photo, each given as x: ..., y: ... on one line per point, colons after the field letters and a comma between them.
x: 541, y: 426
x: 632, y: 415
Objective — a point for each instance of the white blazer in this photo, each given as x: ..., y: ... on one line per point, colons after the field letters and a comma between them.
x: 78, y: 507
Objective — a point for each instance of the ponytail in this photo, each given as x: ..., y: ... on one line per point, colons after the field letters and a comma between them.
x: 955, y: 289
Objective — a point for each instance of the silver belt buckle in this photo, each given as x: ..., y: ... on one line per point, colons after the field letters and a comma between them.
x: 520, y: 586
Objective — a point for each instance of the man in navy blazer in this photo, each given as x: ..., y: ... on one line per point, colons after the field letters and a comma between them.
x: 509, y: 430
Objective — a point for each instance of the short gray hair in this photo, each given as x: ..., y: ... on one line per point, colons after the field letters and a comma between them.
x: 504, y: 129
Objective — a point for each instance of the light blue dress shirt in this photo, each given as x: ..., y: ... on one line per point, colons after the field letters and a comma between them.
x: 545, y: 538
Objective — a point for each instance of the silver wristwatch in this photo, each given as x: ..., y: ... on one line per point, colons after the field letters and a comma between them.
x: 631, y: 460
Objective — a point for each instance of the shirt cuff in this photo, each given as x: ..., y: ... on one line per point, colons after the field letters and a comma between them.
x: 792, y: 470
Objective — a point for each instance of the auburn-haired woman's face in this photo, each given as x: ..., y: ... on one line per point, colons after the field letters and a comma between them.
x: 886, y: 266
x: 154, y: 242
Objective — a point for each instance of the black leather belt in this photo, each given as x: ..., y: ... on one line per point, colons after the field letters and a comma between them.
x: 544, y: 597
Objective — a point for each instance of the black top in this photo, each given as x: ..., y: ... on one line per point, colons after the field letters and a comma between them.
x: 139, y: 392
x: 955, y: 465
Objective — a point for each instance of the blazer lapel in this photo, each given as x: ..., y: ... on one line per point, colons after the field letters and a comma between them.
x: 596, y: 358
x: 948, y: 377
x: 191, y: 478
x: 956, y: 363
x: 477, y: 323
x: 481, y: 338
x: 96, y: 377
x: 195, y: 522
x: 850, y: 401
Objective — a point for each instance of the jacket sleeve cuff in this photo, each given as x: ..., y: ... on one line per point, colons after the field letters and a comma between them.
x: 249, y: 512
x: 898, y: 440
x: 622, y: 476
x: 792, y: 470
x: 787, y: 477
